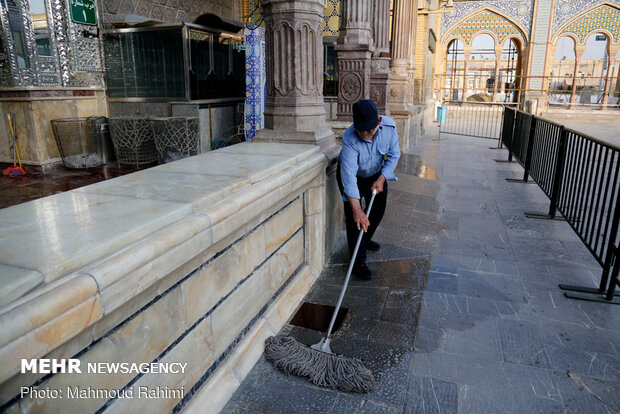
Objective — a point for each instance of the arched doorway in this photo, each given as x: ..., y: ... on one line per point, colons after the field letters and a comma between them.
x: 509, y: 72
x: 455, y: 71
x: 561, y: 77
x: 592, y: 71
x: 481, y: 74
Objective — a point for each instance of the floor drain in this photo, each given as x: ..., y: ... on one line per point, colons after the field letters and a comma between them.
x: 317, y: 317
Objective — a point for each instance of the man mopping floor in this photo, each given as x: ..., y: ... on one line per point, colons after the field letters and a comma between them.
x: 366, y: 162
x: 368, y: 158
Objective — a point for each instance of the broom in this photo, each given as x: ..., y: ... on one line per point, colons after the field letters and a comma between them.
x: 319, y: 363
x: 14, y: 170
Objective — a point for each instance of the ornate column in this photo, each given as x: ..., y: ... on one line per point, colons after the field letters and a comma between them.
x: 466, y: 54
x: 294, y: 111
x: 380, y: 74
x: 610, y: 64
x: 401, y: 25
x: 411, y: 55
x: 354, y: 48
x: 498, y: 56
x: 579, y: 49
x: 399, y: 87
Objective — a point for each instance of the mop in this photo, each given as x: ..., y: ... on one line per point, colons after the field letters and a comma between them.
x: 14, y: 171
x: 319, y: 363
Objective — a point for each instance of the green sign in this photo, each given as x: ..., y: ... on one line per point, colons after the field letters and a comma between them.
x: 83, y: 12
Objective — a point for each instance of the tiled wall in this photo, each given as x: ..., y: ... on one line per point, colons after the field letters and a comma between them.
x: 169, y: 10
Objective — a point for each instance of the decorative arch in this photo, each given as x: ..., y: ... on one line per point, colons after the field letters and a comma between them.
x: 449, y: 40
x: 487, y: 32
x: 486, y: 20
x: 561, y: 35
x: 603, y: 18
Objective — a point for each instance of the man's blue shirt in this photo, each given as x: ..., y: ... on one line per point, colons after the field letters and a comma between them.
x: 361, y: 158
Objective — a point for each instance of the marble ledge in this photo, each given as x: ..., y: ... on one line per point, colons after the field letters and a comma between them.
x: 105, y: 235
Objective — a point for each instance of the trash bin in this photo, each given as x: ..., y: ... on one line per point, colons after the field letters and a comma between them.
x: 441, y: 114
x: 176, y: 137
x: 133, y: 140
x: 80, y: 141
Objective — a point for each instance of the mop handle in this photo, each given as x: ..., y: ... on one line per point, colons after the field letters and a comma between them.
x: 346, y: 280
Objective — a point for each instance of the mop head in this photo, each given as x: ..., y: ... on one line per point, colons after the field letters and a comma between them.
x: 14, y: 171
x: 323, y: 369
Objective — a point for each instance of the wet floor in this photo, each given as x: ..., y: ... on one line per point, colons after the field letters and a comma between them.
x: 34, y: 185
x: 484, y: 330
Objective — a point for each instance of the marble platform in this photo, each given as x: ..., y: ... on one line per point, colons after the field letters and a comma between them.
x: 204, y: 250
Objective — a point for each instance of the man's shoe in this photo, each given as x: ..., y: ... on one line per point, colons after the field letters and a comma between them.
x: 374, y: 246
x: 362, y: 272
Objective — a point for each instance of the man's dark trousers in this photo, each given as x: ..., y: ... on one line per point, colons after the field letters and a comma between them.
x: 376, y: 214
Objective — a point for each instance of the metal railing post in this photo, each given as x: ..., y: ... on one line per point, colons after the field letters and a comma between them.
x: 559, y: 169
x: 530, y: 149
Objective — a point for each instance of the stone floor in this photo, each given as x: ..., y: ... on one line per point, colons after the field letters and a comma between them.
x: 463, y: 314
x: 34, y: 185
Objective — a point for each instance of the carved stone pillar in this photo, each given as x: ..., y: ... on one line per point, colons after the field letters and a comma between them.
x: 294, y: 110
x: 380, y: 73
x: 498, y: 56
x: 355, y: 46
x: 411, y: 55
x: 467, y: 54
x: 573, y: 95
x: 399, y: 86
x: 400, y: 53
x: 608, y: 76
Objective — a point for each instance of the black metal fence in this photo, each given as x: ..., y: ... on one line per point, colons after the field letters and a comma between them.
x: 579, y: 174
x: 475, y: 119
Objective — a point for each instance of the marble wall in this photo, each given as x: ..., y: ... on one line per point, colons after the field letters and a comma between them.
x: 200, y: 268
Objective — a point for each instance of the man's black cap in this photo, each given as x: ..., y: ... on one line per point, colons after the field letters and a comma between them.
x: 365, y: 115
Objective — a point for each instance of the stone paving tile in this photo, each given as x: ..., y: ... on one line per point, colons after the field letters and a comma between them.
x: 522, y: 344
x: 584, y: 395
x: 389, y: 364
x: 476, y: 400
x: 479, y: 264
x: 481, y: 339
x: 465, y: 309
x: 442, y: 282
x: 491, y: 286
x: 278, y: 395
x: 579, y: 337
x: 584, y: 363
x: 526, y: 381
x: 431, y: 396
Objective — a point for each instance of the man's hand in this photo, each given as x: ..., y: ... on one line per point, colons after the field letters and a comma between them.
x: 378, y: 185
x: 358, y: 214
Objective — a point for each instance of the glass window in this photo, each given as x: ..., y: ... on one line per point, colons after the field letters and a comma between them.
x: 217, y: 66
x: 330, y: 84
x: 41, y: 29
x: 18, y: 34
x: 145, y: 64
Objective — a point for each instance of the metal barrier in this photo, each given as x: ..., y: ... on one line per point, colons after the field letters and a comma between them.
x: 474, y: 119
x: 579, y: 174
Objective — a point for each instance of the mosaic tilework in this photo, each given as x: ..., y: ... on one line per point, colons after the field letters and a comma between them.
x: 519, y: 10
x: 539, y: 44
x: 254, y: 80
x: 603, y: 17
x: 331, y: 18
x: 567, y: 9
x: 485, y: 20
